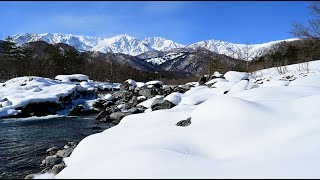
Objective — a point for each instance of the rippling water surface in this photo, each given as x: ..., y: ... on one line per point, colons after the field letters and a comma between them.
x: 23, y: 142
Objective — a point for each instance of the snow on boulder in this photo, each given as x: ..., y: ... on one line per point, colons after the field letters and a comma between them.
x: 22, y: 91
x: 154, y: 82
x: 108, y: 97
x: 239, y: 86
x: 131, y: 82
x: 217, y: 74
x: 148, y: 103
x: 212, y: 81
x: 140, y: 84
x: 235, y: 76
x: 174, y: 98
x: 72, y: 78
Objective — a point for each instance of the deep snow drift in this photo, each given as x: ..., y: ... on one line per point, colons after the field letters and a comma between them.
x: 250, y: 131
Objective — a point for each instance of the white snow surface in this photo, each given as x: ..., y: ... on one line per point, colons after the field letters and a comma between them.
x: 260, y: 132
x: 154, y: 82
x: 235, y: 76
x: 67, y: 78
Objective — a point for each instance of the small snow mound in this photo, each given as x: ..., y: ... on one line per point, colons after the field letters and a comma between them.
x: 212, y: 81
x: 175, y: 98
x: 239, y: 86
x: 236, y: 76
x: 217, y: 74
x: 131, y: 82
x: 108, y: 97
x: 154, y: 82
x: 72, y: 77
x: 140, y: 84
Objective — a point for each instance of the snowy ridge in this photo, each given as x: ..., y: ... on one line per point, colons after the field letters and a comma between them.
x: 133, y: 46
x: 239, y: 51
x: 119, y: 44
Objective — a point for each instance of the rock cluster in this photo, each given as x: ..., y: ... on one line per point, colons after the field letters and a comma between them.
x: 126, y: 101
x: 53, y: 163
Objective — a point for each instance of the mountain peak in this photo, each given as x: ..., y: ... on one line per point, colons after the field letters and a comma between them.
x: 127, y: 44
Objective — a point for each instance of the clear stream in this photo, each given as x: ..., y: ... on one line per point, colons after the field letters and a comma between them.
x: 23, y: 142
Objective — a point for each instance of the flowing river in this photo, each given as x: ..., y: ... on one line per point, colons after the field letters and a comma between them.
x: 23, y: 142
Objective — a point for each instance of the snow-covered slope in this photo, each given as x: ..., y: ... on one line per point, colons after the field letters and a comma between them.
x: 250, y: 132
x: 161, y: 44
x: 133, y: 46
x: 239, y: 51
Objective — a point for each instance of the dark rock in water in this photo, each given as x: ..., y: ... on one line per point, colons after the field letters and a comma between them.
x: 64, y: 152
x: 30, y: 176
x: 106, y: 112
x: 57, y: 168
x: 159, y: 103
x: 52, y: 150
x: 202, y: 80
x: 102, y: 114
x: 80, y: 110
x: 184, y: 123
x: 77, y: 110
x: 69, y: 145
x: 38, y: 109
x: 99, y: 104
x: 52, y: 160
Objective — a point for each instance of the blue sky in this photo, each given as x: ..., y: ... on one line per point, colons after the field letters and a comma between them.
x: 183, y: 22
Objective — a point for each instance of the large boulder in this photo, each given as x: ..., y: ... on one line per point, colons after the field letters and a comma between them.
x: 117, y: 116
x: 148, y: 93
x: 65, y: 152
x: 128, y: 85
x: 51, y: 160
x: 202, y: 80
x: 160, y: 103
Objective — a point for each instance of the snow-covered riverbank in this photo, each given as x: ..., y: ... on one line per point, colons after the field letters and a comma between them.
x: 20, y: 92
x: 236, y: 129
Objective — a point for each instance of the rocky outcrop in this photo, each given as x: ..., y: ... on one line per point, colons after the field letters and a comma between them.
x: 184, y: 123
x: 160, y: 103
x: 53, y: 163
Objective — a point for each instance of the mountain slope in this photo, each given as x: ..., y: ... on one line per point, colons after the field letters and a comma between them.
x: 239, y: 51
x: 119, y: 44
x: 132, y: 46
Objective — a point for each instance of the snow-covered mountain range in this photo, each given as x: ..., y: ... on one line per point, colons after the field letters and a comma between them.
x: 133, y: 46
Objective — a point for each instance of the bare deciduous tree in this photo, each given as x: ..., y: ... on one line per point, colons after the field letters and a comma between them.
x: 312, y: 30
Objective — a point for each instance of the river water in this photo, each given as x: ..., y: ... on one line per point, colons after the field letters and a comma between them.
x: 23, y: 142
